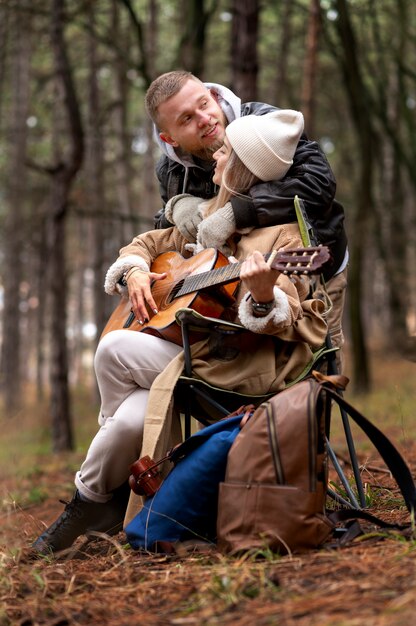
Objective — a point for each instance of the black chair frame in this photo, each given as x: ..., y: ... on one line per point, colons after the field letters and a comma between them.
x: 196, y: 399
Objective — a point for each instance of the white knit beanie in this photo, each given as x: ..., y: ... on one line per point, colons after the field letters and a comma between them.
x: 266, y: 143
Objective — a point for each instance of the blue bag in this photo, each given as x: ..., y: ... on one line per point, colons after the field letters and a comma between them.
x: 186, y: 504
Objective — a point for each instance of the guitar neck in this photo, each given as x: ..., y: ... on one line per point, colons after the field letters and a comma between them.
x: 212, y: 278
x: 297, y: 261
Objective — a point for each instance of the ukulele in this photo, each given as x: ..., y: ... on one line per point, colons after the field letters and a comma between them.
x: 206, y: 283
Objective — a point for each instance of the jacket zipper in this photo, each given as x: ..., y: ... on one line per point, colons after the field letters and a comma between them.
x: 280, y: 478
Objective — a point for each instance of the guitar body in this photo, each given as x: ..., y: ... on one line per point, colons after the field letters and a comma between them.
x: 163, y: 324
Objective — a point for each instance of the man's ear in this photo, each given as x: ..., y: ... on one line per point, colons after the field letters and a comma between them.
x: 214, y: 94
x: 168, y: 139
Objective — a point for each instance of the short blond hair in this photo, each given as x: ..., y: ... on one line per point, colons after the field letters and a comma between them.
x: 164, y: 87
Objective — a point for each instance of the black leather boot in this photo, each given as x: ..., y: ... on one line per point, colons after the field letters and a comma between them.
x: 80, y: 517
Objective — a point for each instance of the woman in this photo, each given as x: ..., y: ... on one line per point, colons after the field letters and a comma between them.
x: 136, y: 372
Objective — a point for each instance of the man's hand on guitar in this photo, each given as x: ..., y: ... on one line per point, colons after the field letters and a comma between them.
x: 259, y: 277
x: 139, y: 285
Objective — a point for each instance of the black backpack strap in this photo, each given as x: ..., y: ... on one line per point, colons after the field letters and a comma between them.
x: 390, y: 455
x: 344, y: 515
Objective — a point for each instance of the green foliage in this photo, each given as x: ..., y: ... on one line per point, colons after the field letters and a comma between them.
x: 37, y: 495
x: 31, y: 473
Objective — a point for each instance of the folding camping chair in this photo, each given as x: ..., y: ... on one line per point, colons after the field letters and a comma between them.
x: 197, y: 399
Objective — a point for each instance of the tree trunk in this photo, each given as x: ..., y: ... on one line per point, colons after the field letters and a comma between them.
x: 244, y: 56
x: 191, y: 49
x: 282, y: 95
x: 142, y: 62
x: 122, y: 166
x: 361, y: 111
x: 43, y: 294
x: 361, y: 366
x: 396, y: 256
x: 311, y: 67
x: 14, y: 236
x: 4, y: 48
x: 95, y: 167
x: 62, y: 178
x: 151, y: 198
x: 62, y: 437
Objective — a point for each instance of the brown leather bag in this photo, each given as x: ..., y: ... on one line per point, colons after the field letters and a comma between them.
x: 275, y: 485
x: 274, y: 491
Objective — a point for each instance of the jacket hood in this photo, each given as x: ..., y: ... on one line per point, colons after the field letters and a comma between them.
x: 230, y: 105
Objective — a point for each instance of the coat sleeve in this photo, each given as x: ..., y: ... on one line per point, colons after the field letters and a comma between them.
x: 290, y: 320
x: 310, y: 177
x: 141, y: 252
x: 295, y: 317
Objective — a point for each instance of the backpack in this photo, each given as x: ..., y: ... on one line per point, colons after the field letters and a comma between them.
x: 275, y: 488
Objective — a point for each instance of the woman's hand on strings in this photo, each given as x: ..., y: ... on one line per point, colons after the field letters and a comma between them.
x: 258, y: 277
x: 140, y: 294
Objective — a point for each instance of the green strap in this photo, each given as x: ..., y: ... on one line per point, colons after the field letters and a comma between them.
x: 308, y: 239
x: 304, y: 226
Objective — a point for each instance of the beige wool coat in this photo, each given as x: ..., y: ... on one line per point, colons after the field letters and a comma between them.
x: 274, y: 351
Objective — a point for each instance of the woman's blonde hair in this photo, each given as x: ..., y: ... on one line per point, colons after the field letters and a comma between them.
x: 236, y: 181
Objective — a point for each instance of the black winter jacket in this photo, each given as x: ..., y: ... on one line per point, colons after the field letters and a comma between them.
x: 269, y: 203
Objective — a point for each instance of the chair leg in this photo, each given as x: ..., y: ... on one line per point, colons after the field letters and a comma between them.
x: 353, y: 457
x: 210, y: 400
x: 342, y: 477
x: 192, y: 388
x: 333, y: 369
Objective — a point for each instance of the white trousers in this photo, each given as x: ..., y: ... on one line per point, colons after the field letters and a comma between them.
x: 126, y: 364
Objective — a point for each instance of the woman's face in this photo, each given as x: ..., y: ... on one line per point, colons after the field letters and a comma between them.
x: 221, y: 156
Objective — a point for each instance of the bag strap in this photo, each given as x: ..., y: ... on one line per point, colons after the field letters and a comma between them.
x: 391, y: 456
x: 228, y: 423
x: 306, y: 230
x: 309, y: 239
x: 343, y: 515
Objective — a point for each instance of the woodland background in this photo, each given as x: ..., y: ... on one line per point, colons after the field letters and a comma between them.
x: 77, y: 158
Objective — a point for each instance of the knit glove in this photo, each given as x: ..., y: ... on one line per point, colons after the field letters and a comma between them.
x: 195, y: 248
x: 182, y: 210
x: 214, y: 231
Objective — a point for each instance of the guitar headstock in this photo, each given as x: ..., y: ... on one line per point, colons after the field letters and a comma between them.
x: 300, y: 260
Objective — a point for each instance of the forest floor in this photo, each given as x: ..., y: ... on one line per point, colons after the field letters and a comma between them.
x: 371, y: 582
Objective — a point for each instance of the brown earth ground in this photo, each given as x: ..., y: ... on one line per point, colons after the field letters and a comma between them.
x: 371, y: 582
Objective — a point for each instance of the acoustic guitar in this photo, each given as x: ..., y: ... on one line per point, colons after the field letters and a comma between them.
x: 206, y: 283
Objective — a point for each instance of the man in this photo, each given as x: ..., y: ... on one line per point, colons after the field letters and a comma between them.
x: 190, y: 119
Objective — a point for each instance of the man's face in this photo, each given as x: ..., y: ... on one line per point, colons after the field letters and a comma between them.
x: 193, y: 121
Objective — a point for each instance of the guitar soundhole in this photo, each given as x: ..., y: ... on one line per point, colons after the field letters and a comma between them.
x: 174, y: 291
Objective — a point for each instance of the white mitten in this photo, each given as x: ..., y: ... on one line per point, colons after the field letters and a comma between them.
x: 182, y: 210
x: 214, y: 230
x: 195, y: 248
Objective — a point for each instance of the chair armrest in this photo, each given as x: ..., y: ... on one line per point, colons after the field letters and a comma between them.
x: 198, y: 322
